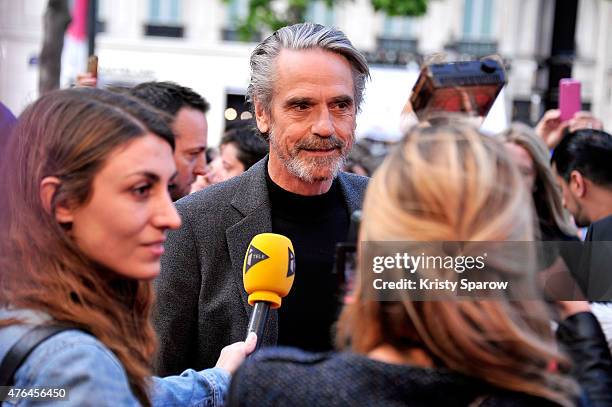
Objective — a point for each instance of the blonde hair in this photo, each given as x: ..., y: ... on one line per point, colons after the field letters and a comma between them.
x: 547, y: 196
x: 450, y: 183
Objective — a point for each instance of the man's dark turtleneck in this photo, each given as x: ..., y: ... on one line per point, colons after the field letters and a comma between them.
x: 314, y: 224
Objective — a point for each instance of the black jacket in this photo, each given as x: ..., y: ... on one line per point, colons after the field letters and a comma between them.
x: 201, y: 302
x: 595, y: 273
x: 584, y: 341
x: 289, y: 377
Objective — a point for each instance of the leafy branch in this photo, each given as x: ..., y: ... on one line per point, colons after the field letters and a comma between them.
x: 274, y: 14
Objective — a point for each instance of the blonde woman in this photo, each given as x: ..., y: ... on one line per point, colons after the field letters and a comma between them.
x: 533, y: 160
x: 442, y: 183
x: 562, y: 261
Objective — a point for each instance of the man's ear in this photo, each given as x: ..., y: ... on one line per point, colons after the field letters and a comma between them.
x: 577, y: 184
x: 48, y: 188
x: 262, y: 118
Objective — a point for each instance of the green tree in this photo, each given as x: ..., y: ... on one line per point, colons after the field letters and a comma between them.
x: 407, y: 8
x: 275, y: 14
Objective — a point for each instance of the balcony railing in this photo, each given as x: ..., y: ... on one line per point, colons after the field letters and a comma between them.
x: 394, y: 51
x: 157, y: 30
x: 474, y: 48
x: 233, y: 34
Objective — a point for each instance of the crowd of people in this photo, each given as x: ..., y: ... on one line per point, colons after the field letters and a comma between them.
x: 124, y: 243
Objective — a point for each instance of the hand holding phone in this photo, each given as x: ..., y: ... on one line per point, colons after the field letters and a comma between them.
x: 92, y: 66
x: 89, y: 79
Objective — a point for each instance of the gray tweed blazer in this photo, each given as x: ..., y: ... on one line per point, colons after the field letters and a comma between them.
x: 201, y: 302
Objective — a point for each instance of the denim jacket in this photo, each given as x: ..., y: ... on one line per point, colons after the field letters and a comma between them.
x: 93, y: 376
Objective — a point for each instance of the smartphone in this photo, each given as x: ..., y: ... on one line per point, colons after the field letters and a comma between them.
x: 569, y: 98
x: 92, y: 65
x: 465, y: 86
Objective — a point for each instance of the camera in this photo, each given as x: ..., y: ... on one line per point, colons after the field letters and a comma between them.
x: 469, y: 87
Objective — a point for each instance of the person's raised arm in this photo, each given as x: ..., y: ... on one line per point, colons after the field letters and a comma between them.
x: 550, y: 128
x: 207, y: 387
x: 86, y: 80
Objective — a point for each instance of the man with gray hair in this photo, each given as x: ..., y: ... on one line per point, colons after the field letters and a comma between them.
x: 307, y: 83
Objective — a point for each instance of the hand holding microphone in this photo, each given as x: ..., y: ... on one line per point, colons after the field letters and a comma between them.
x: 268, y: 273
x: 233, y: 355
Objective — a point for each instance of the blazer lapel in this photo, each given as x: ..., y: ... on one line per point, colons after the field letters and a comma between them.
x: 238, y: 238
x: 252, y: 201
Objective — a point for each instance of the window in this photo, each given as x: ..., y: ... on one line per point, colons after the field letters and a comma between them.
x: 477, y: 38
x: 318, y: 12
x: 102, y: 14
x: 478, y: 19
x: 165, y: 12
x: 237, y: 11
x: 165, y: 18
x: 399, y: 27
x: 397, y: 43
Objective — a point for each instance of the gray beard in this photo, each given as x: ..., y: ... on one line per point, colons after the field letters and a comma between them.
x: 304, y: 169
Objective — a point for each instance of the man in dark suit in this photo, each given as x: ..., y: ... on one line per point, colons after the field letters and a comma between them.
x: 186, y: 111
x: 189, y: 125
x: 583, y: 164
x: 307, y: 83
x: 597, y: 262
x: 600, y: 230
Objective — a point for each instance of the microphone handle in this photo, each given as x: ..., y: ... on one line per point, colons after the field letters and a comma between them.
x: 257, y: 322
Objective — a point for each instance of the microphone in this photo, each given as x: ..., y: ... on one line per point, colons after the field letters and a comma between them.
x: 267, y: 275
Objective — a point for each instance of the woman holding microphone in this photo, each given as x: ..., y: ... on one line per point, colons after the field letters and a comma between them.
x: 84, y: 213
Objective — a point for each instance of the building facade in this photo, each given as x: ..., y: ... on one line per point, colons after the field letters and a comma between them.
x: 195, y: 43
